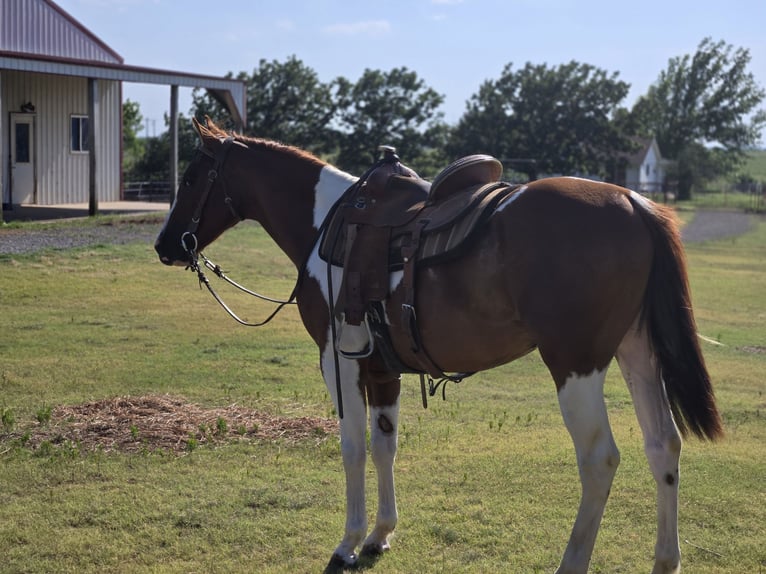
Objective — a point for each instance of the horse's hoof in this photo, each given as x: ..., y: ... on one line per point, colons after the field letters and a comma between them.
x: 374, y: 550
x: 338, y: 563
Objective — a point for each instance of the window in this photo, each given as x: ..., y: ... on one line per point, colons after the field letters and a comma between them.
x: 80, y: 129
x: 22, y: 143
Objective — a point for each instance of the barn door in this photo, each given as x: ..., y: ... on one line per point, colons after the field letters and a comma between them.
x: 23, y: 172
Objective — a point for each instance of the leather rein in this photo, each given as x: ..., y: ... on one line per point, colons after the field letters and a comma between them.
x: 189, y: 243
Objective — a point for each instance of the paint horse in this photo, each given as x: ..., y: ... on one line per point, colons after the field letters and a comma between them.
x: 579, y: 270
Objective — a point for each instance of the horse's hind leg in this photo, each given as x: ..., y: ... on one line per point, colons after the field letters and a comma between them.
x: 662, y: 441
x: 581, y: 399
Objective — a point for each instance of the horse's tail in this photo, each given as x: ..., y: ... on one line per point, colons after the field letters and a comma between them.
x: 669, y: 320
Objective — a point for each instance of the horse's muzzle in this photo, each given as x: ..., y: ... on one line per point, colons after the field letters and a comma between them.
x: 163, y: 251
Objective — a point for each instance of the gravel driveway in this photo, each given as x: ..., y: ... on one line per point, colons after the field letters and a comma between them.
x: 16, y: 241
x: 706, y: 226
x: 709, y: 225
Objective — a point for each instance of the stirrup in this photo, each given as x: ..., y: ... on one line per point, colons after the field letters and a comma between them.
x: 363, y: 353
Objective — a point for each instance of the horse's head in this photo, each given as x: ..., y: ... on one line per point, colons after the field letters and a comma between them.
x: 203, y: 208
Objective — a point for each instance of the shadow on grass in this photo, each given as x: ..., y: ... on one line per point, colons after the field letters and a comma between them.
x: 366, y: 561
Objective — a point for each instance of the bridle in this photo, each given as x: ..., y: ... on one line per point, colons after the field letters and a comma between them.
x: 189, y: 241
x: 219, y: 159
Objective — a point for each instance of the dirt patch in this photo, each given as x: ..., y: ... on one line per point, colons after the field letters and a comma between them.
x: 167, y: 423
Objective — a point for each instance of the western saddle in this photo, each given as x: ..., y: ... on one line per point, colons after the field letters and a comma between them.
x: 390, y: 220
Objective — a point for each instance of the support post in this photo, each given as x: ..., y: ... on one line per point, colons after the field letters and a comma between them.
x: 93, y: 125
x: 2, y: 196
x: 173, y: 142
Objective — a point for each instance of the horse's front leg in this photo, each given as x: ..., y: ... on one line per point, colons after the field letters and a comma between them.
x: 353, y: 451
x: 383, y: 397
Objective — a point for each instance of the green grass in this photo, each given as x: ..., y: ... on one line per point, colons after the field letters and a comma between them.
x: 755, y: 165
x: 486, y: 481
x: 724, y: 200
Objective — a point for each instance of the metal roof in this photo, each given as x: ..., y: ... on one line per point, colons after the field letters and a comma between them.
x: 43, y: 28
x: 39, y: 36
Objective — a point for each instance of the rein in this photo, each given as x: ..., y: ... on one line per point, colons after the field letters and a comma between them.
x: 216, y: 269
x: 189, y: 244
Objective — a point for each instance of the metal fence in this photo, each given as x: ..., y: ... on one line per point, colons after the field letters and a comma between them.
x: 146, y: 191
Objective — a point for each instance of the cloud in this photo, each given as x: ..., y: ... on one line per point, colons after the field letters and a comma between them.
x: 366, y: 27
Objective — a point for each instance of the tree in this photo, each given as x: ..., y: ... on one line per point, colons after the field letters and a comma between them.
x: 285, y: 102
x: 388, y: 108
x: 154, y: 162
x: 702, y: 110
x: 556, y: 119
x: 132, y: 145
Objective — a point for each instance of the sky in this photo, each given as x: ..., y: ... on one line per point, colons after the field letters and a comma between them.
x: 452, y: 45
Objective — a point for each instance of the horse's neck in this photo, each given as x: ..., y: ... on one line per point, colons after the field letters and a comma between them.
x: 293, y: 222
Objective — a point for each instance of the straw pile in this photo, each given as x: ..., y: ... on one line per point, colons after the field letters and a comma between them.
x: 163, y: 422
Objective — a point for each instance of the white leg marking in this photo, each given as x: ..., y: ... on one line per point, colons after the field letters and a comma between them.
x: 662, y: 442
x: 581, y: 400
x: 353, y: 449
x: 383, y: 442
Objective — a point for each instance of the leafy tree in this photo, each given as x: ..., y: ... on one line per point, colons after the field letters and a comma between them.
x: 132, y: 145
x: 285, y: 102
x: 388, y: 108
x: 555, y: 119
x: 154, y: 163
x: 702, y: 110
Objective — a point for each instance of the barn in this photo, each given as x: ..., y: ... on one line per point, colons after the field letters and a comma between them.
x: 61, y: 107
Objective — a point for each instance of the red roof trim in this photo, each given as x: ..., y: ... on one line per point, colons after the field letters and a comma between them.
x: 109, y: 65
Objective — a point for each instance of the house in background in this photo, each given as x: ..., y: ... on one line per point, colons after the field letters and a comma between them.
x: 61, y: 107
x: 644, y: 170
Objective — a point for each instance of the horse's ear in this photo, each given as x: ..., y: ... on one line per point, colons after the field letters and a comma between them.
x: 203, y: 131
x: 197, y: 126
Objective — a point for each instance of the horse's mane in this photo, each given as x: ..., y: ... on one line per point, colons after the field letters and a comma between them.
x: 210, y: 130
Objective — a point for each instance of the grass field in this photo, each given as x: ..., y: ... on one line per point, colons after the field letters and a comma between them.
x: 755, y: 165
x: 487, y: 481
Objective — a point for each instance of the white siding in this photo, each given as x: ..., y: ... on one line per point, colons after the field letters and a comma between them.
x: 62, y: 176
x: 651, y: 172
